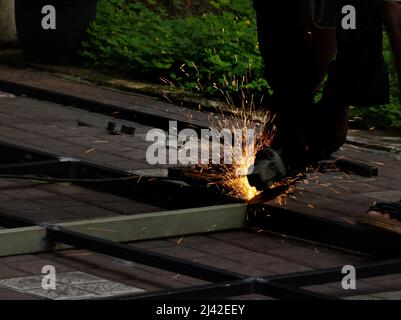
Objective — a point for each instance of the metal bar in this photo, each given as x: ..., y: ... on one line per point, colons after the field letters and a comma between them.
x: 332, y: 233
x: 49, y: 167
x: 284, y: 291
x: 113, y: 249
x: 331, y: 275
x: 143, y: 117
x: 123, y: 228
x: 206, y: 292
x: 360, y: 168
x: 10, y: 221
x: 232, y: 289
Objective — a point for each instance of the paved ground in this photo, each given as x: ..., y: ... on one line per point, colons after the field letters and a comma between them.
x: 52, y: 127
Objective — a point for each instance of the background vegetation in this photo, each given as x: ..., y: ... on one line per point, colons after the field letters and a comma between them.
x: 198, y: 45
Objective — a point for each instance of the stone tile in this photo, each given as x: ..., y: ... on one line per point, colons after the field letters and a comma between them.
x: 71, y: 285
x: 62, y: 292
x: 88, y: 211
x: 108, y: 288
x: 181, y: 252
x: 393, y: 295
x: 284, y: 268
x: 16, y: 259
x: 218, y: 248
x: 7, y: 294
x: 47, y: 214
x: 255, y: 259
x: 363, y: 298
x: 20, y: 205
x: 23, y: 283
x: 27, y: 194
x: 189, y: 240
x: 218, y: 262
x: 152, y: 244
x: 35, y: 266
x: 9, y: 272
x: 58, y: 202
x: 76, y: 278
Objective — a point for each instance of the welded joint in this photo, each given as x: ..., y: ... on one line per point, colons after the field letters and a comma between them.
x: 49, y: 226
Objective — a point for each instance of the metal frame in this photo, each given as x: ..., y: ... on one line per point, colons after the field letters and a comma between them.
x: 143, y: 117
x: 28, y: 239
x: 226, y: 284
x: 332, y: 233
x: 223, y: 283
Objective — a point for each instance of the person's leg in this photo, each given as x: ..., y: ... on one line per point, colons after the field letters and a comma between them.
x: 392, y: 21
x: 296, y: 55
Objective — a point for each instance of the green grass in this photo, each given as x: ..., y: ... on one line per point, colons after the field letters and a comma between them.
x: 202, y: 53
x: 388, y: 116
x: 202, y: 50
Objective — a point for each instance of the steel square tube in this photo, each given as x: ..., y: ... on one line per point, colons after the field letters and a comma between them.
x: 332, y: 233
x: 331, y: 275
x: 141, y: 256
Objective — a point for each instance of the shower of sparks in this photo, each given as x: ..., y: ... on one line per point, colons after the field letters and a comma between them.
x: 242, y: 116
x: 234, y: 184
x: 232, y: 177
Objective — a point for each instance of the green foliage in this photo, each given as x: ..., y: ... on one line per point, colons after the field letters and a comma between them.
x: 388, y: 116
x: 195, y: 52
x: 199, y: 50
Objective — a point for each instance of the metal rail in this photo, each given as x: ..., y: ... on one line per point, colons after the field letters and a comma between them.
x: 224, y: 283
x: 332, y: 233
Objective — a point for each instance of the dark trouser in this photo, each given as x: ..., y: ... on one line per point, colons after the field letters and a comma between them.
x: 297, y: 56
x: 296, y: 53
x: 359, y: 75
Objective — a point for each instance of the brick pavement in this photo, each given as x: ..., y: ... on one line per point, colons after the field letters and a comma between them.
x: 51, y: 127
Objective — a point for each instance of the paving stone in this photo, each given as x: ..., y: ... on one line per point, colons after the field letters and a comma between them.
x: 27, y: 194
x: 87, y: 211
x: 16, y: 259
x: 181, y: 252
x: 248, y: 297
x: 363, y: 298
x: 108, y: 288
x: 285, y: 268
x: 152, y: 244
x: 7, y: 294
x: 333, y: 261
x: 62, y: 293
x: 58, y: 202
x: 255, y: 259
x: 55, y: 121
x: 76, y: 277
x: 130, y: 207
x: 218, y: 248
x: 48, y: 215
x: 23, y: 283
x: 35, y: 266
x: 218, y: 262
x: 253, y: 271
x: 20, y: 205
x: 9, y: 272
x: 326, y: 290
x: 394, y: 295
x: 72, y: 285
